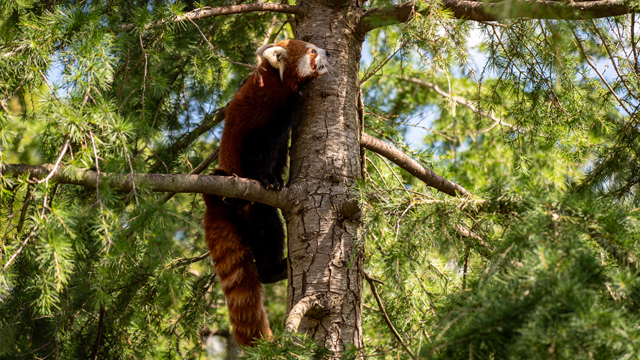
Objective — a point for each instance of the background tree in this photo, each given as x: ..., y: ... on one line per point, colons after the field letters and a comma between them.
x: 521, y: 244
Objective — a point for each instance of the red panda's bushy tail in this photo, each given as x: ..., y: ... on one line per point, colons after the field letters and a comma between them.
x: 236, y: 271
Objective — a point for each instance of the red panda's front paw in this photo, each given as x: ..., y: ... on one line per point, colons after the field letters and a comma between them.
x: 271, y: 182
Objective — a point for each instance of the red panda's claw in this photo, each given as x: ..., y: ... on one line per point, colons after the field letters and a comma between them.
x: 271, y: 182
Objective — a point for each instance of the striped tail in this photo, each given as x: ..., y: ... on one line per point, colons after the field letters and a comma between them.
x: 236, y: 271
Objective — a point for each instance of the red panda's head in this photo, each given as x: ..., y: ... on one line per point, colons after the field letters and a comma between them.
x: 297, y: 61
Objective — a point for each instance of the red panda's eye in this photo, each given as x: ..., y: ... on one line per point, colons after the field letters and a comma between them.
x: 313, y: 51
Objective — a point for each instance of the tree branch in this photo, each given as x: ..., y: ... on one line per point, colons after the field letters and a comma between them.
x: 186, y: 261
x: 623, y: 258
x: 207, y: 11
x: 385, y: 316
x: 413, y: 167
x: 485, y: 11
x: 229, y: 186
x: 484, y: 249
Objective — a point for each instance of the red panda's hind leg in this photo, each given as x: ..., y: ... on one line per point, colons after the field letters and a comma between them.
x: 220, y: 172
x: 266, y: 236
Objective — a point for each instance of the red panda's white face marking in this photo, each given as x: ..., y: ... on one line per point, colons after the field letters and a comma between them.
x: 307, y: 59
x: 314, y: 60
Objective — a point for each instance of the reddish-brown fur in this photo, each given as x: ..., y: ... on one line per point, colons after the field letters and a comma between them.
x: 253, y: 105
x: 254, y: 145
x: 237, y: 274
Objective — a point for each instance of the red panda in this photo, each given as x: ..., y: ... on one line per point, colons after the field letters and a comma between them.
x: 254, y: 145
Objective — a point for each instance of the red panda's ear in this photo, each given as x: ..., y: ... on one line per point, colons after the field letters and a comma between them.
x: 276, y: 55
x: 262, y: 48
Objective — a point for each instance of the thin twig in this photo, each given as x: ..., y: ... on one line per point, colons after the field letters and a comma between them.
x: 386, y: 317
x: 53, y: 91
x: 259, y: 57
x: 55, y: 166
x: 464, y: 102
x: 395, y: 240
x: 200, y: 168
x: 24, y: 243
x: 95, y: 155
x: 593, y: 67
x: 217, y: 53
x: 144, y: 81
x: 23, y: 211
x: 268, y: 36
x: 96, y: 344
x: 133, y: 181
x: 631, y: 114
x: 370, y: 73
x: 379, y: 173
x: 186, y: 261
x: 392, y: 172
x: 465, y: 267
x: 424, y: 289
x: 34, y: 350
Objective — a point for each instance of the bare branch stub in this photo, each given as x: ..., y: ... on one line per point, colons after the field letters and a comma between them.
x: 483, y: 11
x: 413, y: 167
x: 300, y: 309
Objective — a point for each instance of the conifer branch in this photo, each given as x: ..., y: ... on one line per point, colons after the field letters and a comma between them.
x: 413, y: 167
x: 623, y: 258
x: 487, y: 11
x: 22, y: 245
x: 35, y: 350
x: 371, y: 281
x: 228, y: 186
x: 206, y: 12
x: 464, y: 102
x: 210, y: 120
x: 187, y: 261
x: 483, y: 249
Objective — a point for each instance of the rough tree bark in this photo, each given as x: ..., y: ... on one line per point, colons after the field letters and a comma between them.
x: 324, y: 257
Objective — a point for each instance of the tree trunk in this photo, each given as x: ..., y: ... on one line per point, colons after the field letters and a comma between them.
x: 325, y: 258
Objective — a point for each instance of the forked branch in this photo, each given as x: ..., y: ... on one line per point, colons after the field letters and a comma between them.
x: 413, y: 167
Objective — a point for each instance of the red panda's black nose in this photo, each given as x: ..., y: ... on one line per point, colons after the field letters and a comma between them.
x: 328, y: 55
